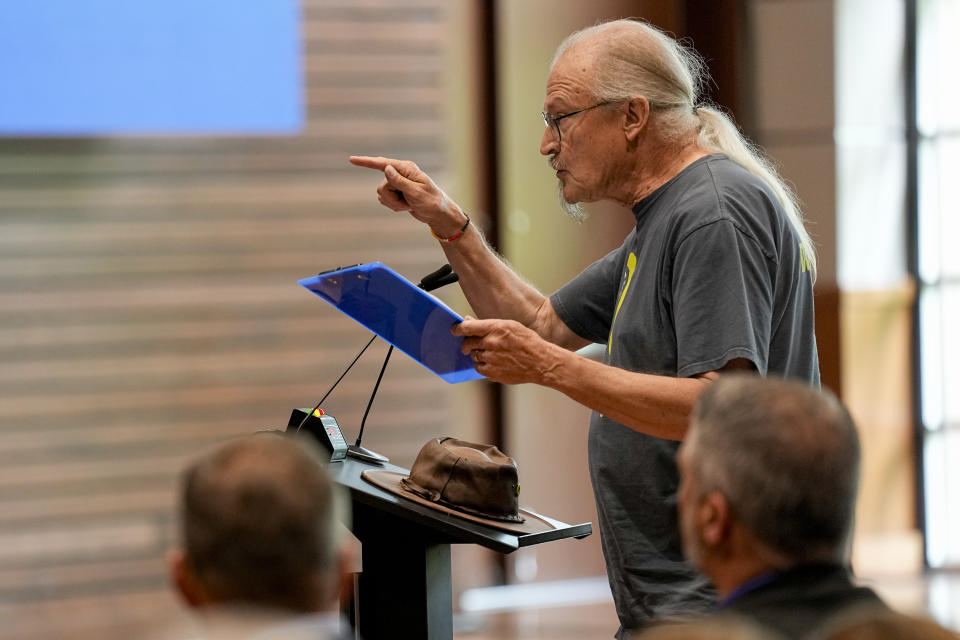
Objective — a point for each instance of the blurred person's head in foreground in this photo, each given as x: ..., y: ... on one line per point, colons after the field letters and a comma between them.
x: 770, y: 472
x: 769, y: 477
x: 259, y: 529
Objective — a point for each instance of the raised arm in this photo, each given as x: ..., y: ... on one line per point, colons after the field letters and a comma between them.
x: 492, y: 288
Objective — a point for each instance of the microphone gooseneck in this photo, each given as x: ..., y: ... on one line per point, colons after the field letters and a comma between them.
x: 373, y: 395
x: 334, y: 386
x: 441, y: 277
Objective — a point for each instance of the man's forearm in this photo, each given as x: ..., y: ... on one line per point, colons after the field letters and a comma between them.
x: 659, y: 406
x: 492, y: 288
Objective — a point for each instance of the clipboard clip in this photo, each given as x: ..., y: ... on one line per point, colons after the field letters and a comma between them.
x: 349, y: 266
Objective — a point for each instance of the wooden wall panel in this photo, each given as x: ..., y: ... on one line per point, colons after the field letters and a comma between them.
x: 149, y: 309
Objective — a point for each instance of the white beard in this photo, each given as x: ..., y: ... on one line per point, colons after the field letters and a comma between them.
x: 572, y: 209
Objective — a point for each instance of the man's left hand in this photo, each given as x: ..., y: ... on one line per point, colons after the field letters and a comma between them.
x: 506, y: 351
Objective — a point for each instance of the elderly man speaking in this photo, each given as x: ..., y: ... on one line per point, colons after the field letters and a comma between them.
x: 716, y: 275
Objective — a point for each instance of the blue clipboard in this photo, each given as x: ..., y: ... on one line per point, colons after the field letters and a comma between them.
x: 401, y: 313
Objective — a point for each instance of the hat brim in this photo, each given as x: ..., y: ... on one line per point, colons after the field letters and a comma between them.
x: 390, y: 481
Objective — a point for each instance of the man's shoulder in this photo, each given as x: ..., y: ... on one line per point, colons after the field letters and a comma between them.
x: 714, y: 188
x: 797, y: 602
x: 719, y: 192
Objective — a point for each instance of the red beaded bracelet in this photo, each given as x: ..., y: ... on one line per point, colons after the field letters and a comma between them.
x: 454, y: 236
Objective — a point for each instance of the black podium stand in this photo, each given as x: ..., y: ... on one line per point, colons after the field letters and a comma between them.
x: 404, y: 590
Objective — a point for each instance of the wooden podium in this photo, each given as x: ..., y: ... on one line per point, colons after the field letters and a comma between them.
x: 404, y: 590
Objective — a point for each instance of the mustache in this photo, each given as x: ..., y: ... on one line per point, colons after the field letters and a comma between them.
x: 554, y: 163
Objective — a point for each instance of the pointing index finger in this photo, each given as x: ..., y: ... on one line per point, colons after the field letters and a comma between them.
x: 373, y: 162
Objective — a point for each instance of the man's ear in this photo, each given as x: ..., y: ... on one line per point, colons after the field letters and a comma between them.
x: 637, y: 114
x: 715, y: 520
x: 185, y: 580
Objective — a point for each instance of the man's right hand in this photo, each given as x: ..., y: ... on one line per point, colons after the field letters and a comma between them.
x: 491, y: 287
x: 406, y: 188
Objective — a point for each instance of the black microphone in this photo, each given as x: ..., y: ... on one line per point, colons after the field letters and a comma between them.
x: 450, y: 278
x: 441, y: 277
x: 429, y: 281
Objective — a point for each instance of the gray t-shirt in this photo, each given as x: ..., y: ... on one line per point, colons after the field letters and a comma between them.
x: 712, y: 272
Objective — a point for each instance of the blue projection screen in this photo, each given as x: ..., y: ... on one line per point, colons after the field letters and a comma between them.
x: 115, y: 67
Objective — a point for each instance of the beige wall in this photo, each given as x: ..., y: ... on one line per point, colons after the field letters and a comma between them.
x: 811, y: 73
x: 792, y: 59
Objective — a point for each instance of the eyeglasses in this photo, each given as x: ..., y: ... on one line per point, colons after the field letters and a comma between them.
x: 552, y: 121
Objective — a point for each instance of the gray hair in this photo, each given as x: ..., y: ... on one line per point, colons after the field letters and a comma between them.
x: 635, y: 58
x: 786, y: 457
x: 259, y: 523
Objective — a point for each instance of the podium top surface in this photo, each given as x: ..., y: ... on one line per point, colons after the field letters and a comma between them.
x: 450, y: 529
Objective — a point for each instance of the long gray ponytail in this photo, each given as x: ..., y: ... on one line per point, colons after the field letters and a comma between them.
x: 639, y: 59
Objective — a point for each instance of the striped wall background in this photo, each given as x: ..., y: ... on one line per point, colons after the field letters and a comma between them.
x: 149, y: 308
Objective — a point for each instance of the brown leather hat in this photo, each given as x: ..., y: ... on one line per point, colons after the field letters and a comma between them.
x: 474, y: 481
x: 474, y: 478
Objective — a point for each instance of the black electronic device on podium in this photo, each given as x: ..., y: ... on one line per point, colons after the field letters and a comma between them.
x: 404, y: 588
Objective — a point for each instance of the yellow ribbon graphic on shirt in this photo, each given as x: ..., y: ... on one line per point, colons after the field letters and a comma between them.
x: 631, y: 265
x: 804, y: 262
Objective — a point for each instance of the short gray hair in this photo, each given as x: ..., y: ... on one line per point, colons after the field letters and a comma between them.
x: 637, y: 59
x: 258, y: 523
x: 786, y: 457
